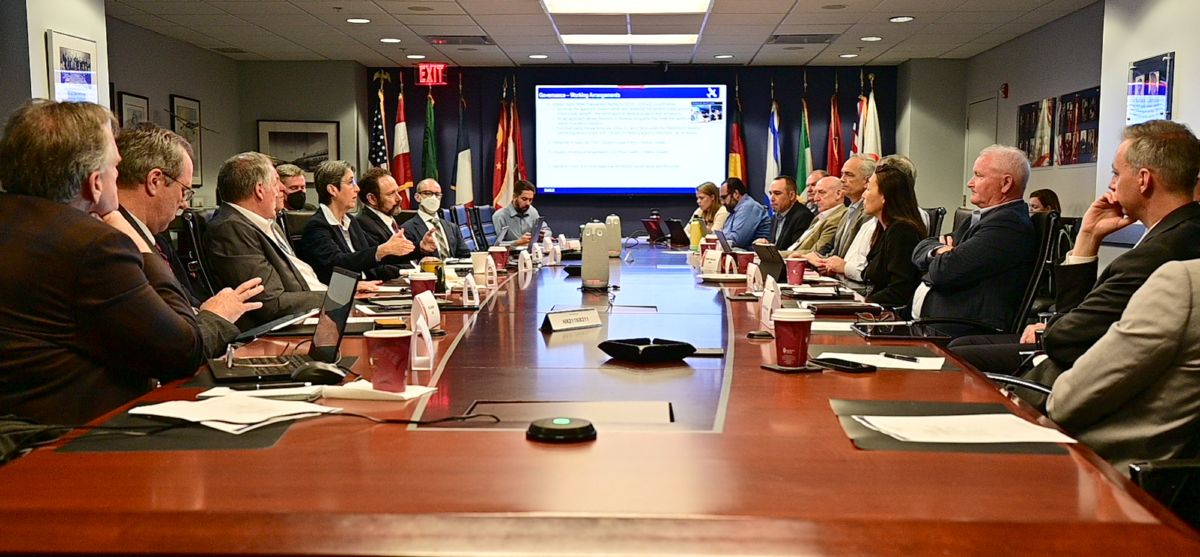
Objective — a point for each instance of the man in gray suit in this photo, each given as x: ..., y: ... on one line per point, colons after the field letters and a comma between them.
x: 1135, y: 394
x: 244, y: 241
x: 154, y: 183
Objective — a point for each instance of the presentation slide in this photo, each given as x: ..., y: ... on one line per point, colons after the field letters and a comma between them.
x: 629, y: 139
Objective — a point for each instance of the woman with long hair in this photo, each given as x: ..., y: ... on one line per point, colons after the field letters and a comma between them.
x: 891, y: 199
x: 710, y: 211
x: 1044, y: 201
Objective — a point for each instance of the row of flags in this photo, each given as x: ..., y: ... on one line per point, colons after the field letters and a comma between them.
x: 510, y: 150
x: 867, y: 139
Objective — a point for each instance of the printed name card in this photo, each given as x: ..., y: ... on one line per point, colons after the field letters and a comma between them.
x: 569, y: 320
x: 489, y: 271
x: 712, y: 262
x: 470, y: 294
x: 555, y: 255
x: 422, y: 344
x: 770, y: 302
x: 524, y: 262
x: 425, y: 306
x: 754, y: 280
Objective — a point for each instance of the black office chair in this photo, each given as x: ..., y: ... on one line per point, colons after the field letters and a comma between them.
x: 936, y: 216
x: 295, y: 222
x: 1175, y: 483
x: 189, y: 247
x: 961, y: 214
x: 1045, y: 226
x: 482, y: 222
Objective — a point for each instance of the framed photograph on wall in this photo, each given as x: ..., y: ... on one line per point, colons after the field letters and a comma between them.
x: 1078, y: 122
x: 72, y: 63
x: 185, y: 121
x: 1151, y: 89
x: 132, y: 109
x: 302, y: 143
x: 1035, y: 131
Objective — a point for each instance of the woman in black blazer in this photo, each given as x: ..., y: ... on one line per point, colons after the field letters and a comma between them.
x: 891, y: 199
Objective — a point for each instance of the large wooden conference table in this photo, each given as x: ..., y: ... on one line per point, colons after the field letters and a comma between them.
x: 754, y: 463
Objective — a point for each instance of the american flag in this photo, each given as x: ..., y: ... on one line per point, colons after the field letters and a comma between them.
x: 378, y: 153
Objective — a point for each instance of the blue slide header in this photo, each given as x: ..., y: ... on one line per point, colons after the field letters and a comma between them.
x: 592, y: 92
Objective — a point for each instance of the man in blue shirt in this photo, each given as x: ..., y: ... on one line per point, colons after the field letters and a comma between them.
x: 519, y: 217
x: 748, y: 220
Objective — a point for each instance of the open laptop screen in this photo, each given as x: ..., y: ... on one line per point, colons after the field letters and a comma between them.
x: 331, y: 323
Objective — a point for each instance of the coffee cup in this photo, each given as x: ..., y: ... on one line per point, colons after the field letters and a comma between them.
x: 499, y: 255
x: 795, y: 271
x: 743, y: 259
x: 793, y: 327
x: 421, y: 282
x: 388, y: 353
x: 479, y: 262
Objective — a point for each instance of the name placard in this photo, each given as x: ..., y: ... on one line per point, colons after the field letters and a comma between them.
x: 570, y: 320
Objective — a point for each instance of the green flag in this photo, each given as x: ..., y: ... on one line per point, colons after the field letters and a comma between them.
x: 429, y: 156
x: 804, y: 162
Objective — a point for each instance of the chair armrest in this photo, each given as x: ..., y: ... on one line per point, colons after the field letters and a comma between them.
x: 981, y: 327
x: 1018, y: 382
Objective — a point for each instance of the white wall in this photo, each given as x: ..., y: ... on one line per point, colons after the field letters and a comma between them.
x: 1061, y: 57
x: 930, y: 123
x: 156, y: 67
x: 81, y: 18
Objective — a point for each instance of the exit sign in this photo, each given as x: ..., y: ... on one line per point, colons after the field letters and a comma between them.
x: 431, y: 73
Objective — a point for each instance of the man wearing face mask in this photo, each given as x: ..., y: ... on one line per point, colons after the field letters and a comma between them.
x: 295, y: 195
x: 379, y: 198
x: 89, y: 314
x: 519, y: 216
x: 151, y: 197
x: 449, y: 240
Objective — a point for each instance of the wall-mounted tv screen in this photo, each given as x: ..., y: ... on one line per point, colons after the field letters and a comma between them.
x: 629, y: 139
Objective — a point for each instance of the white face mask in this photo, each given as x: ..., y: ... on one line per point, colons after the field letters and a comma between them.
x: 431, y: 204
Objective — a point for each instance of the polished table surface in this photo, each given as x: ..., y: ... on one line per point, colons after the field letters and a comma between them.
x: 755, y: 463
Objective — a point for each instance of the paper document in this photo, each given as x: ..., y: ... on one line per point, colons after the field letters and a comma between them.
x: 234, y: 414
x: 363, y: 390
x: 974, y: 428
x: 349, y: 320
x: 390, y: 289
x: 676, y: 252
x: 831, y: 326
x: 311, y: 392
x: 884, y: 363
x: 806, y: 289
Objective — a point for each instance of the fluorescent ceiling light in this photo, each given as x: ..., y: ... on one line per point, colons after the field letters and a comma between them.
x: 901, y: 19
x: 847, y: 56
x: 389, y: 41
x: 415, y: 56
x: 626, y: 40
x: 871, y: 39
x: 723, y: 56
x: 626, y: 6
x: 538, y: 56
x: 359, y: 20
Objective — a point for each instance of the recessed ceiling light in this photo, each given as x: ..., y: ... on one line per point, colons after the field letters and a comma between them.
x: 538, y: 56
x: 420, y: 9
x: 625, y: 40
x: 871, y: 39
x: 723, y: 56
x: 847, y: 56
x: 415, y: 56
x: 901, y: 19
x: 389, y: 41
x: 626, y: 6
x: 833, y: 7
x: 359, y: 20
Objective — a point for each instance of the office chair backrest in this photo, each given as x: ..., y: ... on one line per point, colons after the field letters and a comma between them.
x: 936, y: 216
x: 459, y: 215
x: 1175, y: 483
x: 190, y: 250
x: 296, y: 220
x: 1045, y: 227
x: 960, y: 214
x: 482, y: 222
x: 468, y: 237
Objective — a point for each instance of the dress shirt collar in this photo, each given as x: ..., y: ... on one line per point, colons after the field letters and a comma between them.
x: 388, y: 220
x: 345, y: 222
x: 999, y: 205
x: 825, y: 214
x: 266, y: 225
x: 142, y: 226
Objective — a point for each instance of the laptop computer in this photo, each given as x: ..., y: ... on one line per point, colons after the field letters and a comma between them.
x: 654, y: 227
x: 326, y: 339
x: 724, y: 243
x: 678, y: 236
x: 770, y: 262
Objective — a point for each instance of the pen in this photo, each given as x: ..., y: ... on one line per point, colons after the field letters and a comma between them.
x: 903, y: 357
x: 265, y: 386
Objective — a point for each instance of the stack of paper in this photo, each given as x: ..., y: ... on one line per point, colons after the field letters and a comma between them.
x: 234, y: 414
x: 310, y: 392
x: 972, y: 428
x: 363, y: 390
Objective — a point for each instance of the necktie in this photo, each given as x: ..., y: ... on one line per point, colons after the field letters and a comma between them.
x: 395, y: 227
x: 162, y: 253
x: 440, y: 236
x: 843, y: 243
x: 776, y: 228
x: 281, y: 239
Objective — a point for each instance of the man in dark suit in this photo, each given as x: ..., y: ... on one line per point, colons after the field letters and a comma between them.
x: 980, y: 271
x: 244, y: 242
x: 446, y: 235
x: 1154, y: 173
x: 333, y: 238
x: 153, y: 184
x: 379, y: 198
x: 88, y: 314
x: 791, y: 217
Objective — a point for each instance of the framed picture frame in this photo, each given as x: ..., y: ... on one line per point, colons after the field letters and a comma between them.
x: 72, y: 62
x: 306, y: 144
x: 132, y: 109
x: 185, y: 121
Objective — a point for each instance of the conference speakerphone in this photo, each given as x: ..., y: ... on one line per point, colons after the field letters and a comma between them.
x: 561, y: 430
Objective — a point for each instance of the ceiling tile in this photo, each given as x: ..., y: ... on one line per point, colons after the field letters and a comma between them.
x: 509, y: 7
x: 752, y: 6
x: 978, y: 17
x: 1006, y: 5
x: 118, y: 9
x: 454, y: 30
x: 903, y: 7
x: 811, y: 29
x: 176, y: 7
x: 210, y: 20
x: 428, y: 20
x: 401, y: 8
x: 279, y: 7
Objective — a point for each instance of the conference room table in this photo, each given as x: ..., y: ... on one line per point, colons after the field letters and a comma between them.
x: 753, y: 462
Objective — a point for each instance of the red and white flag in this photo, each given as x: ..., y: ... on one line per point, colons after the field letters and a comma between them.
x: 502, y: 183
x: 401, y: 155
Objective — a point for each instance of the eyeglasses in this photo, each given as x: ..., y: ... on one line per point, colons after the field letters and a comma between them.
x: 433, y: 193
x: 188, y: 193
x: 349, y: 183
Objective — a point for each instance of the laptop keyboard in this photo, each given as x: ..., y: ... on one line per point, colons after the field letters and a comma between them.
x: 273, y: 361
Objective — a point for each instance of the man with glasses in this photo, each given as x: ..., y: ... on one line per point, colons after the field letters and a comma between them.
x: 748, y: 220
x: 380, y: 204
x: 333, y: 238
x: 447, y: 236
x: 520, y: 215
x: 151, y: 196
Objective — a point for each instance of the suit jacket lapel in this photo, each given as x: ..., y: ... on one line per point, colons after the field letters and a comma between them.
x: 1173, y: 219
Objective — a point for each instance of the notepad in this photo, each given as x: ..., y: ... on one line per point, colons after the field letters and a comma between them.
x: 972, y: 428
x: 234, y: 414
x: 364, y: 390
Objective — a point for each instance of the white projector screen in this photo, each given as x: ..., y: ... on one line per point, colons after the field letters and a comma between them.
x: 629, y: 139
